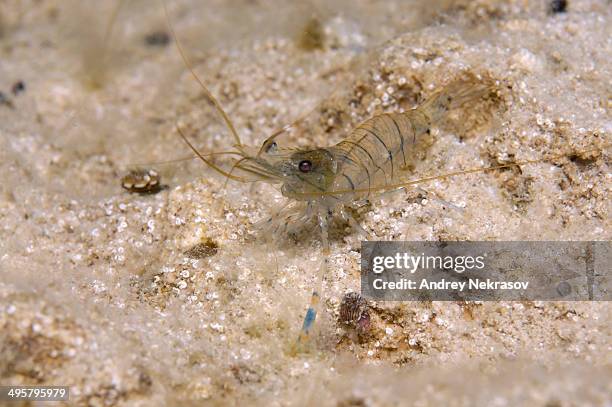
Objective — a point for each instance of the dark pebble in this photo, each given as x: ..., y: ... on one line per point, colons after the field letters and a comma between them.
x: 157, y: 39
x: 18, y: 87
x: 558, y: 6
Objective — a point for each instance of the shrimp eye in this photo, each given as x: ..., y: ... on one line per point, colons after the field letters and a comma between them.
x: 305, y: 166
x: 270, y: 148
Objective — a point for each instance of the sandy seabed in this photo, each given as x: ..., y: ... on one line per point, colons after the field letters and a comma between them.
x: 179, y: 298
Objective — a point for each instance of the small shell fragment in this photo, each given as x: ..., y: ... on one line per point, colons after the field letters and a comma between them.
x: 354, y: 312
x: 142, y: 181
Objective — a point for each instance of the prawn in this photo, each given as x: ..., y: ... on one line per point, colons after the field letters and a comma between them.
x: 322, y: 181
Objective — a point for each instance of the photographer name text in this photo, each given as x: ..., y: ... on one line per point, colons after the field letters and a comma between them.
x: 471, y: 284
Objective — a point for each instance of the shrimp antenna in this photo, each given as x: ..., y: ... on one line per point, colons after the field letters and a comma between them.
x: 399, y: 185
x: 355, y: 61
x: 294, y: 123
x: 207, y: 162
x: 110, y: 25
x: 209, y: 95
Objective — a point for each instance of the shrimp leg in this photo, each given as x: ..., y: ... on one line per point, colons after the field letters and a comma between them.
x: 354, y: 224
x: 303, y: 340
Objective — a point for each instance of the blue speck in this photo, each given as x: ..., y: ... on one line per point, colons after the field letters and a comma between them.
x: 311, y: 315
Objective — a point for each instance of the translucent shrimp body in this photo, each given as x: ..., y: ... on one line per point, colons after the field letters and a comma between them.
x: 375, y: 155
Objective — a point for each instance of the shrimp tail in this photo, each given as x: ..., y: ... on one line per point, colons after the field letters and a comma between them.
x: 454, y: 96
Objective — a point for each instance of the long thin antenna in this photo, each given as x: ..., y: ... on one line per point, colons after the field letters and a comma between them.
x: 437, y: 177
x: 111, y: 23
x: 209, y: 95
x: 209, y: 163
x: 354, y: 61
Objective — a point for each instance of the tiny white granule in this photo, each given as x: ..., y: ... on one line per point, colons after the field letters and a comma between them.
x: 217, y: 327
x: 122, y: 226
